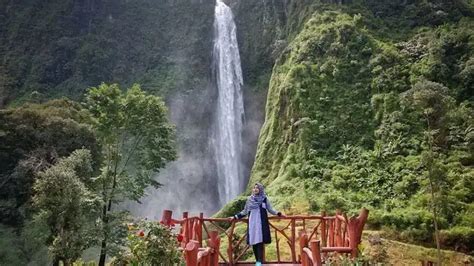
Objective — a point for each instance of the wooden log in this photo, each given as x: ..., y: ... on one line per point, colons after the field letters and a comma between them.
x: 166, y: 218
x: 316, y: 251
x: 362, y: 219
x: 331, y: 233
x: 185, y: 228
x: 203, y: 256
x: 191, y: 253
x: 201, y: 216
x: 303, y: 242
x: 196, y: 227
x: 214, y: 242
x: 323, y: 229
x: 352, y: 225
x: 190, y: 228
x: 339, y: 242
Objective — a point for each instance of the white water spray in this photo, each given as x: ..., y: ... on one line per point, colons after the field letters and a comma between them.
x: 230, y: 107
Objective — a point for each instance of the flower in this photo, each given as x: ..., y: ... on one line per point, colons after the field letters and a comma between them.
x: 141, y: 233
x: 179, y: 237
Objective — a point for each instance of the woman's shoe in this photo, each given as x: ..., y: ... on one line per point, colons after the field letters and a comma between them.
x: 258, y: 263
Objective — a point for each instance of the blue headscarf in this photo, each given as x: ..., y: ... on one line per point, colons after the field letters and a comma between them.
x: 255, y: 201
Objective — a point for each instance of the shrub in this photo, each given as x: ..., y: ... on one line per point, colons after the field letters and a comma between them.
x: 459, y: 237
x: 150, y: 243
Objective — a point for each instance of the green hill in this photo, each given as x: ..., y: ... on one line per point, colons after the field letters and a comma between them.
x: 350, y: 102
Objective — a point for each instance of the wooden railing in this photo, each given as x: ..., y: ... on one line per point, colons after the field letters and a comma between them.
x: 343, y: 236
x: 195, y: 255
x: 318, y: 235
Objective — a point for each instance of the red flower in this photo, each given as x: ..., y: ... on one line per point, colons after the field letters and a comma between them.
x: 141, y: 233
x: 179, y: 237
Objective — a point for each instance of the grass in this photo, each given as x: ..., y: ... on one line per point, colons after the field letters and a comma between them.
x: 399, y: 253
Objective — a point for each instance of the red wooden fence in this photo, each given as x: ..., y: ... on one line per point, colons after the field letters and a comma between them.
x: 318, y: 235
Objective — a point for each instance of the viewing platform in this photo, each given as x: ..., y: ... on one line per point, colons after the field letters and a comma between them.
x: 309, y: 239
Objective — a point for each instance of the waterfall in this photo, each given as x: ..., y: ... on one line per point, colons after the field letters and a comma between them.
x: 230, y: 107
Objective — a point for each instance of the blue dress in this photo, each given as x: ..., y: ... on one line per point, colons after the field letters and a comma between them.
x: 258, y: 230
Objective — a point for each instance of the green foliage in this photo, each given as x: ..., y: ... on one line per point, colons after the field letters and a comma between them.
x: 134, y: 130
x: 150, y: 243
x: 459, y: 237
x: 360, y: 118
x: 232, y: 207
x: 79, y: 45
x: 10, y: 254
x: 65, y: 201
x: 137, y: 141
x: 33, y: 137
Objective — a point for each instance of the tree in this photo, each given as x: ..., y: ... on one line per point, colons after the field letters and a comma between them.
x: 32, y: 138
x: 137, y: 141
x: 433, y: 102
x: 67, y: 204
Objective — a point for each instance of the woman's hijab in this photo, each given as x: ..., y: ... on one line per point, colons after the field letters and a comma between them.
x: 255, y: 201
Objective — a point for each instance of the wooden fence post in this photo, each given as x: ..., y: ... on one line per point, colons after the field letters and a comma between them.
x: 166, y: 217
x: 362, y: 219
x: 352, y: 224
x: 191, y: 251
x: 339, y: 241
x: 184, y: 228
x: 331, y: 232
x: 201, y: 217
x: 323, y: 229
x: 303, y: 243
x: 293, y: 240
x: 214, y: 243
x: 316, y: 251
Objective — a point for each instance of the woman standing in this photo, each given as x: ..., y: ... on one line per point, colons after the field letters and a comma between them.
x: 258, y: 232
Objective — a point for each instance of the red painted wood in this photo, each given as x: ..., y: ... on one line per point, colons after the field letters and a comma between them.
x: 303, y: 241
x: 214, y: 242
x: 331, y: 233
x: 166, y: 218
x: 323, y: 229
x: 316, y: 251
x: 337, y: 234
x: 293, y: 240
x: 191, y: 253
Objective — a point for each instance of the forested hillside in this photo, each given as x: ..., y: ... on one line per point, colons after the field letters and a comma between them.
x: 371, y: 104
x: 59, y: 48
x: 365, y: 104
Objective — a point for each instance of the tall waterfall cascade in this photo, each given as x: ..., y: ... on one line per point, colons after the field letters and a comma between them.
x: 230, y: 106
